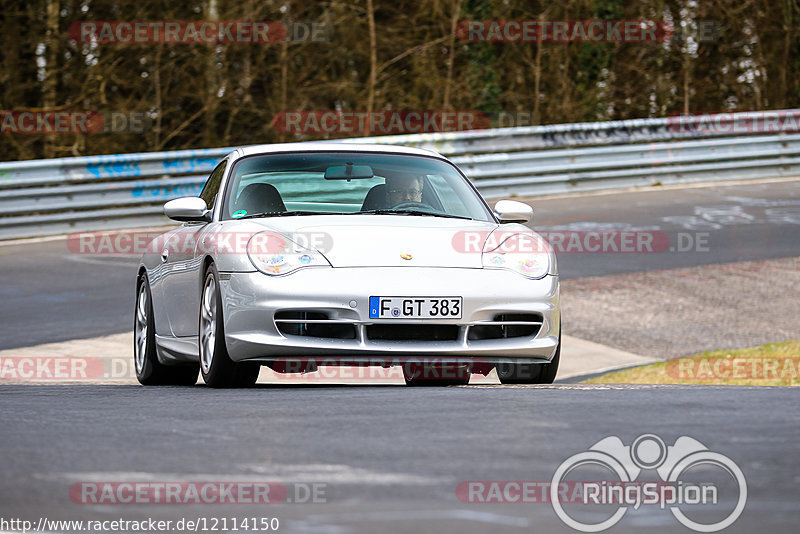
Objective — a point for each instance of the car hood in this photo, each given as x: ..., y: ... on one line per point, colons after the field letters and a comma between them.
x: 388, y: 240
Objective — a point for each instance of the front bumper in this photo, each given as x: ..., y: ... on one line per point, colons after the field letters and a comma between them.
x: 250, y: 301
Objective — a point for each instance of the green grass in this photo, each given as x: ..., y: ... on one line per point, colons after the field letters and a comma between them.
x: 775, y: 364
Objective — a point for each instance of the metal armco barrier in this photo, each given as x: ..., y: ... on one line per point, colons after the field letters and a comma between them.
x: 57, y: 196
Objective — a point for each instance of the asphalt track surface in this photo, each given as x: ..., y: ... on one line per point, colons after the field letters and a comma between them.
x: 389, y: 458
x: 50, y: 294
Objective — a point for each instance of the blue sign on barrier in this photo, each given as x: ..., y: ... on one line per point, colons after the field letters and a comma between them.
x: 114, y: 170
x: 190, y: 164
x: 174, y: 191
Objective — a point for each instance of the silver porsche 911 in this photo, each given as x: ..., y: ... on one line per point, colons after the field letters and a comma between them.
x: 300, y: 255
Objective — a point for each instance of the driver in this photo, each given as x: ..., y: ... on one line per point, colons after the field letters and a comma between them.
x: 401, y: 189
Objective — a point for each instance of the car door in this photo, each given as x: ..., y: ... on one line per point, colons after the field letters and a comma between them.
x: 182, y: 278
x: 157, y: 275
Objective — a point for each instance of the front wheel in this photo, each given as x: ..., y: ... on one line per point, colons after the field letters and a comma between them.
x: 530, y: 373
x: 149, y: 371
x: 216, y: 366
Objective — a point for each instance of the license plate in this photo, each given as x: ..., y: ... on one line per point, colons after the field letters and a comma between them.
x: 415, y: 307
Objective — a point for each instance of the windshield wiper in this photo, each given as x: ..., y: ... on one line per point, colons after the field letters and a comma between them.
x: 412, y: 212
x: 370, y: 212
x: 285, y: 214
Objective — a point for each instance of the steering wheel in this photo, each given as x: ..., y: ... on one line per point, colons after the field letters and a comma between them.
x: 409, y: 205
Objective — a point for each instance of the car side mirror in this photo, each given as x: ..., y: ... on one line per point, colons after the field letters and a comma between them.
x: 512, y: 211
x: 187, y: 209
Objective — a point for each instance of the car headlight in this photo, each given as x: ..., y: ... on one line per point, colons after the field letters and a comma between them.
x: 525, y: 254
x: 275, y: 255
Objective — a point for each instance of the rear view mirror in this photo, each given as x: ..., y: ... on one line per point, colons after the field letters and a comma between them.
x: 349, y: 172
x: 512, y: 211
x: 187, y: 209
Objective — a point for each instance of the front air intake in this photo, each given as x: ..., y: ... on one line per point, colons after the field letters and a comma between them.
x: 506, y: 325
x: 412, y: 332
x: 309, y: 323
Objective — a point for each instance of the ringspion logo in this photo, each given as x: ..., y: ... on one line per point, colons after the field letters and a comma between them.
x: 675, y: 489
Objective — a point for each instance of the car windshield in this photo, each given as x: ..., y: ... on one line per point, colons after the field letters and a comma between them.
x: 358, y: 183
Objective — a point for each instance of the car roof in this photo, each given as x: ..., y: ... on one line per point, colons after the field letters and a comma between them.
x: 335, y: 147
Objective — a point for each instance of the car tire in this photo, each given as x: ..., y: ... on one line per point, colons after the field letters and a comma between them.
x: 435, y: 375
x: 149, y: 371
x: 530, y: 373
x: 216, y: 366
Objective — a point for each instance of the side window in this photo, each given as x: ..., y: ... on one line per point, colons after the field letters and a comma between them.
x: 209, y: 192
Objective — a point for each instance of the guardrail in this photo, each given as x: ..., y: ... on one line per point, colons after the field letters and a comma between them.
x: 56, y: 196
